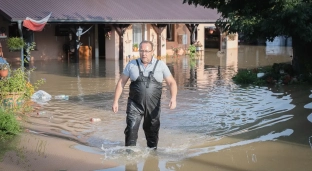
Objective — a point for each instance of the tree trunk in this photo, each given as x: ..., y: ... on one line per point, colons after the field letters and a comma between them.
x: 302, y: 58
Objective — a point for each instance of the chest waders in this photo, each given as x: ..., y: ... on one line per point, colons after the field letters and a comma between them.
x: 144, y: 101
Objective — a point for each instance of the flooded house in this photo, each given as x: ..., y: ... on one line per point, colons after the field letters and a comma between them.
x: 110, y: 30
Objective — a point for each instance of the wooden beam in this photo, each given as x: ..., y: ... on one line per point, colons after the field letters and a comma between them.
x: 193, y: 32
x: 120, y: 29
x: 158, y: 29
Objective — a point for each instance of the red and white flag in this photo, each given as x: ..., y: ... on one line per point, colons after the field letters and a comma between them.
x: 36, y: 25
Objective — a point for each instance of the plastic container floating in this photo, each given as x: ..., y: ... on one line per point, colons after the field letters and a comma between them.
x: 95, y: 119
x: 62, y: 97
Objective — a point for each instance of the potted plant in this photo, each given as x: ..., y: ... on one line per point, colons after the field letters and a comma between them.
x: 4, y: 70
x: 198, y: 45
x: 135, y: 47
x: 177, y: 50
x: 15, y: 43
x: 16, y: 88
x: 231, y: 36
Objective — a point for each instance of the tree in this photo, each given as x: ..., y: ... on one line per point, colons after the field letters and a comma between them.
x: 268, y: 19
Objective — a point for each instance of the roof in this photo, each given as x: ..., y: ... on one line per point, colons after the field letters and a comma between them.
x: 108, y: 11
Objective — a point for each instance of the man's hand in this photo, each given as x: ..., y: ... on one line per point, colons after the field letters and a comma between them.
x: 172, y: 104
x: 115, y: 107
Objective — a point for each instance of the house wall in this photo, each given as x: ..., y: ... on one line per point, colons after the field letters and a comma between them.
x: 5, y: 50
x: 180, y: 29
x: 150, y: 36
x: 230, y: 44
x: 48, y: 46
x: 129, y: 54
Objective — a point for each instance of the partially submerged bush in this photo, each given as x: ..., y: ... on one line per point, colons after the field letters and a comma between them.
x: 245, y: 76
x: 278, y: 73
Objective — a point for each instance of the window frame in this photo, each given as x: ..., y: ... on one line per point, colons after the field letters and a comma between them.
x: 137, y: 33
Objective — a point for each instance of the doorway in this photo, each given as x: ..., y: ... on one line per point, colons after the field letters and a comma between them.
x: 212, y: 38
x: 101, y: 40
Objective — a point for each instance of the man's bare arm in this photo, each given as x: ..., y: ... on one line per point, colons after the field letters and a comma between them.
x: 173, y: 91
x: 119, y: 88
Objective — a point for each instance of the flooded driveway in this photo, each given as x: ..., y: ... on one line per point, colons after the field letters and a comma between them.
x: 216, y: 126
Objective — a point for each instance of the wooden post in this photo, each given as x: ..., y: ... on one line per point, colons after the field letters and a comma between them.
x: 193, y: 31
x: 120, y: 28
x: 220, y: 38
x: 158, y: 29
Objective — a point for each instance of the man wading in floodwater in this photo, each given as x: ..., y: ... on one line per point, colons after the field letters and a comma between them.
x: 146, y: 75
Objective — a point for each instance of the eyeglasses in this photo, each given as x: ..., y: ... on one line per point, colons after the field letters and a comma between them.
x: 146, y: 51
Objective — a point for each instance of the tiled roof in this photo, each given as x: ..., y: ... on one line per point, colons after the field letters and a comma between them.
x: 108, y: 11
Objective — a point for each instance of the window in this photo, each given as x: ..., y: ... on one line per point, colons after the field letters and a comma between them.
x: 137, y: 33
x: 28, y: 35
x: 170, y: 32
x: 13, y: 31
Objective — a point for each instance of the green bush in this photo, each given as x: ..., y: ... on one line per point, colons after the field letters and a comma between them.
x: 15, y: 43
x: 278, y: 73
x: 17, y: 83
x: 9, y: 126
x: 245, y: 76
x: 192, y: 50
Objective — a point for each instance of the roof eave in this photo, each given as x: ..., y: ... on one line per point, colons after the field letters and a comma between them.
x: 162, y: 21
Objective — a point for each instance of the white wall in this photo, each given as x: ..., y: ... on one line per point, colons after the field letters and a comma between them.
x: 201, y: 33
x: 232, y: 43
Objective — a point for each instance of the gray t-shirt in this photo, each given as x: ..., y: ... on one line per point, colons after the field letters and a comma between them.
x: 162, y: 71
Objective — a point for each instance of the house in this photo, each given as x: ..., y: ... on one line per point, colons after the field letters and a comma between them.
x: 115, y: 26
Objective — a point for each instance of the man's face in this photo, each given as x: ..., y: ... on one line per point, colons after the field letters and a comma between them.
x: 146, y: 53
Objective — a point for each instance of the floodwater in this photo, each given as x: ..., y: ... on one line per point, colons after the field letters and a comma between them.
x: 217, y: 125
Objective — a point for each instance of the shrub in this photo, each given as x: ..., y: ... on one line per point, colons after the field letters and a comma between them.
x: 135, y: 45
x: 278, y: 73
x: 17, y: 83
x: 9, y: 126
x: 245, y: 76
x: 15, y: 43
x: 192, y: 50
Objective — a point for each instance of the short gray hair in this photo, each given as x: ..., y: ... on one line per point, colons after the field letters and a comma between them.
x: 147, y: 41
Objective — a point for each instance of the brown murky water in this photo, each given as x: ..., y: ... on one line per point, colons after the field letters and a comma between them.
x: 217, y: 126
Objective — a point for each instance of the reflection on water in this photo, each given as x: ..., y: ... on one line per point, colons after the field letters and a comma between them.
x: 213, y: 114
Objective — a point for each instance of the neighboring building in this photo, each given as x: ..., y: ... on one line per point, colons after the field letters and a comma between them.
x: 116, y: 26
